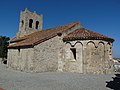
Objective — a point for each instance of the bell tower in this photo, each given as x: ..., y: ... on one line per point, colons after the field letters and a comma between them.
x: 29, y: 22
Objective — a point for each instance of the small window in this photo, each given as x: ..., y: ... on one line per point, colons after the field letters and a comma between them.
x: 73, y: 52
x: 30, y: 23
x: 37, y: 24
x: 22, y: 23
x: 18, y: 51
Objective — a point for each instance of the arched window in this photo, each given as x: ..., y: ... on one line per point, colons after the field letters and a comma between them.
x: 37, y: 24
x: 30, y: 23
x: 22, y: 23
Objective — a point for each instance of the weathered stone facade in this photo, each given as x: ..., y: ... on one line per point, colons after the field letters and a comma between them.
x: 21, y: 59
x: 29, y: 22
x: 92, y: 56
x: 52, y: 50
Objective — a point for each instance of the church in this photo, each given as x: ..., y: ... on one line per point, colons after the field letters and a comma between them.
x: 67, y: 48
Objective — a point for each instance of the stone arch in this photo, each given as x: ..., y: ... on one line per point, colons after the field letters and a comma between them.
x: 73, y: 51
x: 78, y: 42
x: 73, y: 57
x: 95, y: 58
x: 92, y: 43
x: 90, y: 57
x: 68, y: 43
x: 109, y: 43
x: 37, y: 24
x: 67, y: 51
x: 79, y: 56
x: 101, y: 57
x: 101, y: 42
x: 79, y: 50
x: 108, y: 61
x: 101, y: 50
x: 67, y: 56
x: 30, y: 23
x: 109, y: 50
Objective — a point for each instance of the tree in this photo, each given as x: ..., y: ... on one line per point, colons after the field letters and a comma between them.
x: 3, y: 46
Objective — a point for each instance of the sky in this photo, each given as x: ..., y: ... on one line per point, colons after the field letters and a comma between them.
x: 102, y: 16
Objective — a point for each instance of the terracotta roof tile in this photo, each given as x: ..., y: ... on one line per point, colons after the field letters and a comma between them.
x: 40, y: 36
x: 84, y: 34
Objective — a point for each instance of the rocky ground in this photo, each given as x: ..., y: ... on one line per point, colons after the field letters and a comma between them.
x: 16, y: 80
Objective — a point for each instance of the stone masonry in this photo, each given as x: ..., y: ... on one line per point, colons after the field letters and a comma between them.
x: 68, y: 48
x: 29, y: 22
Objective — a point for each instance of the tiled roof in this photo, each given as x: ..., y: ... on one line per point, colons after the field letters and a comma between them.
x: 40, y: 36
x: 83, y: 34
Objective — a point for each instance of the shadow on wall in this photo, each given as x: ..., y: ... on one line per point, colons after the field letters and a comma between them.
x: 115, y: 83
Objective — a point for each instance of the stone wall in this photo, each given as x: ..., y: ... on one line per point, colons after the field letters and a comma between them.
x: 98, y: 57
x: 21, y: 59
x: 92, y: 56
x: 73, y: 57
x: 25, y: 17
x: 49, y: 55
x: 46, y: 55
x: 95, y: 58
x: 82, y: 56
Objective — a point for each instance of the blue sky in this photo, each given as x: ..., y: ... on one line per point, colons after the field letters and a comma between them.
x: 102, y: 16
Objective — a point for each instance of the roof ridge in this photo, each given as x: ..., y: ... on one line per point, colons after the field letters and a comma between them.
x: 27, y: 36
x: 40, y: 36
x: 82, y: 33
x: 48, y: 37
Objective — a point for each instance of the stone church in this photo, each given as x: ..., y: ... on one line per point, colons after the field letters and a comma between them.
x: 67, y: 48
